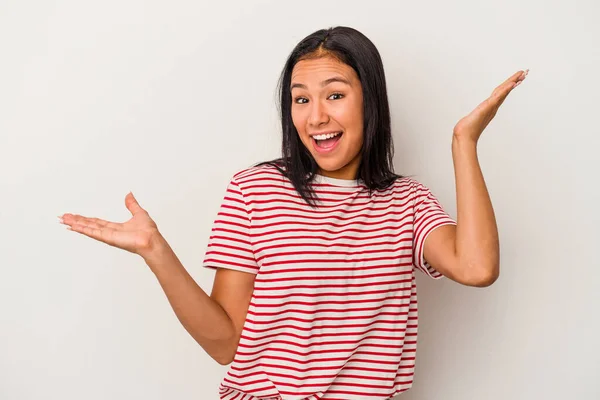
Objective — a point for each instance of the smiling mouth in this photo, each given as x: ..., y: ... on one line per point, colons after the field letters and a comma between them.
x: 327, y: 143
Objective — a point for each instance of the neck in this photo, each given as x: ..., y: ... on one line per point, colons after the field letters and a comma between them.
x: 347, y: 172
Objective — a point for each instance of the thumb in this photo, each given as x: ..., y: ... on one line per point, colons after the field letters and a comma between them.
x: 132, y: 204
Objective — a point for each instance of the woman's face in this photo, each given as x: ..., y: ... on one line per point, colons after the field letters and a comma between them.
x: 327, y: 111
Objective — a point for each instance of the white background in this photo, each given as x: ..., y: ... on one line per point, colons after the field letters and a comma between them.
x: 169, y: 99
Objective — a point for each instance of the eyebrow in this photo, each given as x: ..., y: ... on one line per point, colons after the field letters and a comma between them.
x: 324, y: 83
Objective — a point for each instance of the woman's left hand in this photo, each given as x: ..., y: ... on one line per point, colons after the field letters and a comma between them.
x: 471, y: 126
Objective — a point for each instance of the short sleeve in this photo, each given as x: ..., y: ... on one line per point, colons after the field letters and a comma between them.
x: 230, y: 244
x: 428, y: 215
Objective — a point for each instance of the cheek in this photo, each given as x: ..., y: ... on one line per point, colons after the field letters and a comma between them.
x: 299, y: 121
x: 350, y: 115
x: 354, y: 123
x: 353, y: 126
x: 357, y: 120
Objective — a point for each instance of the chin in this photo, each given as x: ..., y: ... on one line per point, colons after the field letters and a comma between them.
x: 327, y: 165
x: 330, y: 166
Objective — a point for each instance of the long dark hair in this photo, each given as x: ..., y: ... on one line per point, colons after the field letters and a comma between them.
x: 355, y: 50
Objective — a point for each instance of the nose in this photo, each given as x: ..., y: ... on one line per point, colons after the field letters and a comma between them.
x: 318, y: 114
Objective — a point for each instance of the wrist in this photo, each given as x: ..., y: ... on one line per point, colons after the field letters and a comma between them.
x: 157, y: 249
x: 463, y: 142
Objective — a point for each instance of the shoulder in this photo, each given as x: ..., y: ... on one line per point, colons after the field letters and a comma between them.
x: 264, y: 173
x: 260, y: 182
x: 406, y: 184
x: 406, y: 190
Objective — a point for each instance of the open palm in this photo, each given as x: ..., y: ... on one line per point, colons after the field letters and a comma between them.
x: 472, y: 125
x: 136, y: 235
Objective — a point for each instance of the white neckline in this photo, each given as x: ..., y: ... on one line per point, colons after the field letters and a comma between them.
x: 337, y: 182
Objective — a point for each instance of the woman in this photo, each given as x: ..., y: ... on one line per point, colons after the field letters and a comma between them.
x: 314, y: 294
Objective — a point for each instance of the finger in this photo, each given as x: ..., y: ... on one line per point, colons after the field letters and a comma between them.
x: 521, y: 78
x: 517, y: 76
x: 510, y: 83
x: 70, y: 219
x: 501, y: 92
x: 90, y: 223
x: 101, y: 234
x: 507, y: 85
x: 103, y: 223
x: 132, y: 204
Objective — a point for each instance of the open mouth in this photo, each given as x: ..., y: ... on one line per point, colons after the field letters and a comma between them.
x: 327, y: 142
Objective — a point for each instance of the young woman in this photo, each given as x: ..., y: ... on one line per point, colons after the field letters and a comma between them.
x: 315, y: 253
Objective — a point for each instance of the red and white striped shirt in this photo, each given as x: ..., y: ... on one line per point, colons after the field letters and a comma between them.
x: 333, y: 314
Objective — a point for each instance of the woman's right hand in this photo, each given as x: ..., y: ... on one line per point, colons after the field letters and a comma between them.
x: 138, y: 235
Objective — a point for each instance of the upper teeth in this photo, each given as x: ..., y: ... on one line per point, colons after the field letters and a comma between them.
x: 326, y: 136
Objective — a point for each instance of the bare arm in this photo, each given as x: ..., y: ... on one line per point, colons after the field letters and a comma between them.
x: 469, y: 252
x: 215, y: 321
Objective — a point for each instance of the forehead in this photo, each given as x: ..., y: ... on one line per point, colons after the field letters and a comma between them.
x: 318, y: 69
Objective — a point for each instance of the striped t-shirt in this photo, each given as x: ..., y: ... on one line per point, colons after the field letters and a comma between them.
x: 333, y: 314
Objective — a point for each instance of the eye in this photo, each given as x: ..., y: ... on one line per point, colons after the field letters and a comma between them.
x: 338, y: 95
x: 300, y: 100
